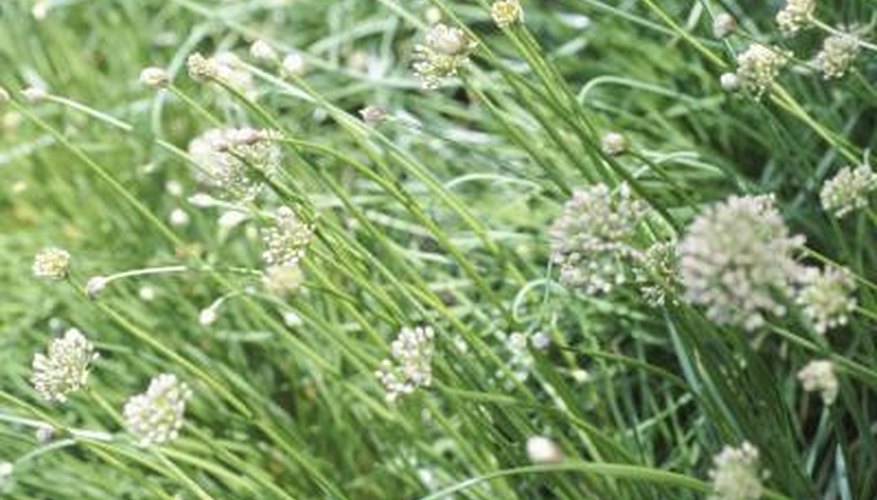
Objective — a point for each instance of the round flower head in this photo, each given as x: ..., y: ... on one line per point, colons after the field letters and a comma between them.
x: 65, y: 366
x: 837, y: 55
x: 735, y: 474
x: 410, y: 365
x: 235, y: 160
x: 506, y: 12
x: 286, y: 240
x: 590, y: 241
x: 795, y: 15
x: 443, y: 51
x: 200, y: 68
x: 819, y: 376
x: 156, y: 416
x: 737, y: 261
x: 848, y: 190
x: 51, y: 263
x: 613, y: 144
x: 827, y: 297
x: 759, y: 66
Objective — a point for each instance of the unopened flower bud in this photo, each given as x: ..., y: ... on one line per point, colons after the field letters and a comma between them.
x: 179, y: 217
x: 723, y: 25
x: 146, y: 293
x: 95, y: 286
x: 261, y: 51
x: 34, y: 94
x: 729, y: 82
x: 613, y: 144
x: 293, y: 65
x: 44, y: 434
x: 542, y: 450
x: 372, y: 115
x: 207, y: 316
x: 154, y: 77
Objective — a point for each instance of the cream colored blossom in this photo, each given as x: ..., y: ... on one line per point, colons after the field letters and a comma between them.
x: 736, y: 475
x: 65, y: 366
x: 758, y: 67
x: 738, y: 260
x: 795, y: 15
x: 156, y: 416
x: 506, y: 12
x: 443, y: 51
x: 819, y: 376
x: 51, y: 263
x: 838, y: 53
x: 410, y: 364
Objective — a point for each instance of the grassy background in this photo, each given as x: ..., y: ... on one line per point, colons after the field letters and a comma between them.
x: 438, y: 216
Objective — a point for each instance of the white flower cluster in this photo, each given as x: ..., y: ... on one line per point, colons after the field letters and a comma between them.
x: 200, y: 68
x: 848, y: 190
x: 827, y: 297
x: 838, y: 54
x: 156, y: 416
x: 591, y: 240
x: 737, y: 260
x: 51, y: 263
x: 795, y: 15
x: 65, y: 366
x: 235, y: 160
x: 443, y: 51
x: 759, y: 66
x: 506, y: 12
x: 819, y: 376
x: 735, y: 474
x: 286, y: 240
x: 410, y: 366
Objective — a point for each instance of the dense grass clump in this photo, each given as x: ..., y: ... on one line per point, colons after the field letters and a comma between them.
x: 438, y: 249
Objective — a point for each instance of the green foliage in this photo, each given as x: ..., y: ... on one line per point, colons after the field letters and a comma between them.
x: 437, y: 215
